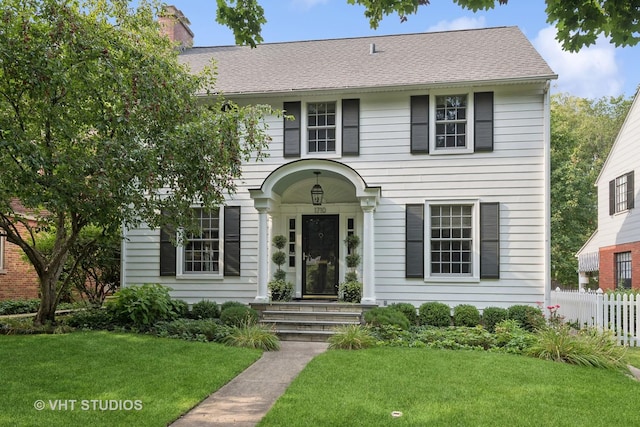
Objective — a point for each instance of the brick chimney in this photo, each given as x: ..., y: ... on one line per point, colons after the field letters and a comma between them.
x: 175, y: 25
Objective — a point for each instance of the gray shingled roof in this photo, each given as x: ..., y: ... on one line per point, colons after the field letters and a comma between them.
x: 451, y: 57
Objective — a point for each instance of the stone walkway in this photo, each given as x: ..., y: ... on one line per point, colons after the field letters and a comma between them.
x: 249, y: 396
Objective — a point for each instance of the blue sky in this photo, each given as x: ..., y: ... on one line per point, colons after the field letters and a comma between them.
x: 600, y: 70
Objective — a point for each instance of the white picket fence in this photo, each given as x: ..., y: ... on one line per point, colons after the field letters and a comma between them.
x: 616, y: 312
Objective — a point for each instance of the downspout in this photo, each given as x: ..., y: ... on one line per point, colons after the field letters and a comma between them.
x: 547, y: 195
x: 123, y: 257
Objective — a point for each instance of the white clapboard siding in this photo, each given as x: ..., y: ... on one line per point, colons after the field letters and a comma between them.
x: 513, y: 175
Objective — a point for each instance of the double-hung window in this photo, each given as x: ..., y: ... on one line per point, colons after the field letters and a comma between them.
x: 623, y: 270
x: 453, y: 240
x: 451, y: 121
x: 621, y: 193
x: 202, y: 251
x: 451, y: 235
x: 321, y: 127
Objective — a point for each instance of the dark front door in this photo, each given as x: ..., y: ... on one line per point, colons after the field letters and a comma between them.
x: 320, y: 253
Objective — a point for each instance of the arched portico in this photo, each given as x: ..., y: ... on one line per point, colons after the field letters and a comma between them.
x: 284, y: 201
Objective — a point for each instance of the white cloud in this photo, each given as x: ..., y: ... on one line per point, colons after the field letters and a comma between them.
x: 307, y: 4
x: 463, y: 23
x: 590, y: 73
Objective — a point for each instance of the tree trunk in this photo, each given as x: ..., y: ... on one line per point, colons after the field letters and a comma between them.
x: 48, y: 301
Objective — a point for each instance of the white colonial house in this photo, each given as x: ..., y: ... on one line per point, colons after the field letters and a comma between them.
x: 433, y: 148
x: 613, y: 251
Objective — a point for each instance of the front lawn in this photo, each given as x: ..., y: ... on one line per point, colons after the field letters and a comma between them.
x: 109, y: 379
x: 452, y: 388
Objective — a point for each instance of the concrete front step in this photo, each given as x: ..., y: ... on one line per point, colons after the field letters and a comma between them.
x: 308, y: 321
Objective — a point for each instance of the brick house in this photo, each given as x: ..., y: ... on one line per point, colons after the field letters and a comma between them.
x: 18, y: 279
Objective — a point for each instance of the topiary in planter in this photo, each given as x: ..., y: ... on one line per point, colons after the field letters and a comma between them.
x: 466, y: 315
x: 350, y: 292
x: 281, y: 290
x: 434, y: 314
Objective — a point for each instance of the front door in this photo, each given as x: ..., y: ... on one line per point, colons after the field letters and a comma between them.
x: 320, y: 256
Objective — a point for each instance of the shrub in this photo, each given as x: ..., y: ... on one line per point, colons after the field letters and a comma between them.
x: 281, y: 290
x: 351, y: 337
x: 94, y: 318
x: 530, y: 318
x: 180, y: 308
x: 588, y: 347
x: 466, y: 315
x: 434, y: 314
x: 352, y: 260
x: 188, y: 329
x: 393, y: 336
x: 492, y: 316
x: 457, y: 337
x: 380, y: 316
x: 142, y: 306
x: 350, y: 292
x: 252, y: 335
x: 229, y: 304
x: 205, y: 309
x: 512, y: 338
x: 238, y: 316
x: 19, y: 306
x: 409, y: 310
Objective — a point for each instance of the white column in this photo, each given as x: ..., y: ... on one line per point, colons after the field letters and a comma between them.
x: 583, y: 280
x: 368, y: 254
x: 263, y: 255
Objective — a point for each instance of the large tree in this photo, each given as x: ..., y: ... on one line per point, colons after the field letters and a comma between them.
x: 96, y: 117
x: 578, y: 22
x: 582, y: 133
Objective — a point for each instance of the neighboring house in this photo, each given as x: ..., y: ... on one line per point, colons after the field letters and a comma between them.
x: 433, y: 148
x: 18, y: 279
x: 613, y: 251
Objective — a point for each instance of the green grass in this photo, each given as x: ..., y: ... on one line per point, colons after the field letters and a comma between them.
x: 633, y: 355
x: 452, y: 388
x: 167, y: 377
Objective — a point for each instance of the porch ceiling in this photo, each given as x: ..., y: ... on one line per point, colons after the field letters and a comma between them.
x: 296, y: 188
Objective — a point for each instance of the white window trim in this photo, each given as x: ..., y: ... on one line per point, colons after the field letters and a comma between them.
x: 214, y: 275
x: 432, y: 119
x: 474, y: 277
x: 2, y: 270
x: 305, y: 134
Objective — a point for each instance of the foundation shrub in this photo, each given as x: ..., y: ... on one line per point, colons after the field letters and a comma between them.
x: 409, y: 310
x: 180, y: 308
x: 466, y: 315
x: 228, y: 304
x: 530, y: 318
x: 205, y: 309
x: 434, y: 313
x: 512, y: 338
x: 92, y: 319
x: 140, y: 307
x: 492, y: 316
x: 188, y: 329
x: 380, y: 316
x: 19, y: 306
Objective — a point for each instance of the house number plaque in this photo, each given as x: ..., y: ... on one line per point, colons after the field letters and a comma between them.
x: 320, y: 210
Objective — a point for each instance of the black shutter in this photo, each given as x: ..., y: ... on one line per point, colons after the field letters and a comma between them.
x: 420, y: 124
x: 350, y: 127
x: 612, y: 197
x: 167, y: 253
x: 292, y: 129
x: 483, y: 126
x: 414, y: 241
x: 630, y: 190
x: 489, y: 240
x: 232, y: 240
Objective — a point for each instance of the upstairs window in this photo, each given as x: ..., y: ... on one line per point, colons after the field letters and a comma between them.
x: 321, y: 127
x: 451, y: 121
x: 621, y: 193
